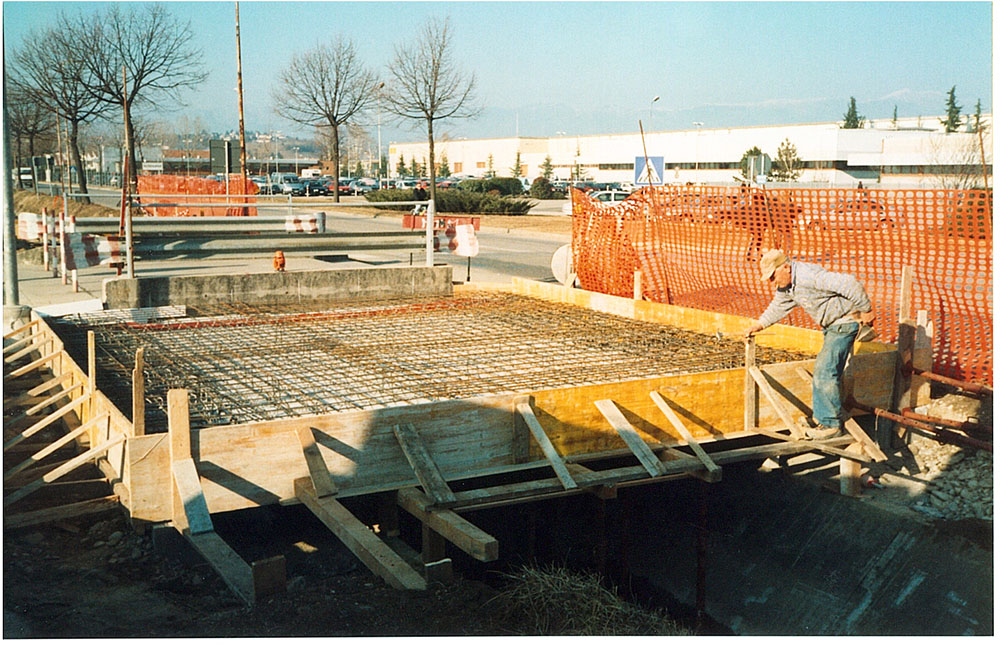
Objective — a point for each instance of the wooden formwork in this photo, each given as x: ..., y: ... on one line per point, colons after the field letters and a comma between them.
x: 670, y: 426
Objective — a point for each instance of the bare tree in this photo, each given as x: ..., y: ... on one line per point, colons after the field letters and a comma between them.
x: 956, y: 157
x: 51, y: 70
x: 428, y: 86
x: 29, y: 121
x: 156, y: 52
x: 327, y: 86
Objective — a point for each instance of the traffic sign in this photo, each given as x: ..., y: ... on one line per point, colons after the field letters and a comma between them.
x: 650, y: 174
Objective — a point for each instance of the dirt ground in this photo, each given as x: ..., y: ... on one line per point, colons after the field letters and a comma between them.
x: 98, y: 578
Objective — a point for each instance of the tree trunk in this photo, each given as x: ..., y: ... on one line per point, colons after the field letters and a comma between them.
x: 77, y: 160
x: 132, y: 168
x: 17, y: 164
x: 34, y: 173
x: 430, y: 160
x: 336, y: 163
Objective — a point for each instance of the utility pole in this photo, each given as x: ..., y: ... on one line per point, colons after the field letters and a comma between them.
x: 239, y: 89
x: 11, y: 295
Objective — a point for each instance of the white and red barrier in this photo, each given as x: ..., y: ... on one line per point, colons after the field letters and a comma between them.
x: 31, y: 225
x: 309, y: 223
x: 85, y: 250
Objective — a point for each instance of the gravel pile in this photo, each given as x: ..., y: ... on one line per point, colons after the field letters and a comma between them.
x: 959, y: 479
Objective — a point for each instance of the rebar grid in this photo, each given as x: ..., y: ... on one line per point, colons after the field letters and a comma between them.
x: 245, y: 363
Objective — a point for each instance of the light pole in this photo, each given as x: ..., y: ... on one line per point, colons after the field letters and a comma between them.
x: 697, y: 139
x: 296, y: 161
x: 655, y: 99
x: 187, y: 155
x: 378, y: 128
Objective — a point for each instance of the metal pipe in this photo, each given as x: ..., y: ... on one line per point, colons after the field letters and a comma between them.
x: 975, y: 388
x: 944, y: 436
x: 964, y: 426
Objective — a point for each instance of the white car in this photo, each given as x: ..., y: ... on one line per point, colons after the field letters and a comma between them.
x: 610, y: 195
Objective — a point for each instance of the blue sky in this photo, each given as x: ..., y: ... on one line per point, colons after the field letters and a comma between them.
x: 594, y: 67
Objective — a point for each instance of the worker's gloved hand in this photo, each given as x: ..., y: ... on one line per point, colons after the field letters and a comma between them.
x: 751, y: 330
x: 865, y: 317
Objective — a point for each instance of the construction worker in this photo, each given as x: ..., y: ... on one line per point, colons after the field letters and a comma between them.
x: 839, y: 305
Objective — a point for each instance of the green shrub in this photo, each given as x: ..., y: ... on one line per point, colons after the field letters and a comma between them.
x: 541, y: 188
x: 456, y: 201
x: 391, y: 195
x: 503, y: 185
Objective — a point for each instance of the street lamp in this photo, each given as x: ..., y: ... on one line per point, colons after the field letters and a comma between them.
x: 697, y: 138
x: 378, y: 128
x: 296, y: 161
x: 655, y: 99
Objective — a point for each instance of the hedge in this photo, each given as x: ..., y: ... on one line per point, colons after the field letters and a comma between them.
x: 456, y: 201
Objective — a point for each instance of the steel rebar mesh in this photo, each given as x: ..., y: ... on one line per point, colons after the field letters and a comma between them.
x: 246, y: 363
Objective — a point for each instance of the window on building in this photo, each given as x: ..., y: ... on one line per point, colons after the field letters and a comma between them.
x: 480, y: 164
x: 457, y: 166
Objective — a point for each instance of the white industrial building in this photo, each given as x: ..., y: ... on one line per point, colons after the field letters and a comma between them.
x: 909, y: 153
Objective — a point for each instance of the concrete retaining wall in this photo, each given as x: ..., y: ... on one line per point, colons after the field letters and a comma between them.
x: 279, y: 287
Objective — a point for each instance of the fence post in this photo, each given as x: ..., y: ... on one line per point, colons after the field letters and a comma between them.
x: 431, y: 215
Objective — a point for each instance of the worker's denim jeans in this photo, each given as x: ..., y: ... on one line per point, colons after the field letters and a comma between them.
x: 838, y: 344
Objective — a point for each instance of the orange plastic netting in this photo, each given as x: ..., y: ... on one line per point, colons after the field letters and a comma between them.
x: 207, y: 191
x: 698, y: 246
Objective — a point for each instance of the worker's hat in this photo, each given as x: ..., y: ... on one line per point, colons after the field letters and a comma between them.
x: 771, y: 260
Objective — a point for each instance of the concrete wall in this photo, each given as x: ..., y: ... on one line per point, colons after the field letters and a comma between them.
x: 278, y: 288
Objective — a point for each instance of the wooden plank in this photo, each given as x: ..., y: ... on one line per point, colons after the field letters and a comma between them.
x: 59, y: 513
x: 423, y: 465
x: 179, y: 441
x: 18, y: 344
x: 21, y: 371
x: 773, y: 398
x: 138, y: 396
x: 23, y: 352
x: 815, y: 446
x: 269, y: 576
x: 357, y: 537
x: 453, y: 527
x: 322, y: 482
x: 236, y: 573
x: 44, y: 403
x: 751, y: 400
x: 188, y: 486
x: 61, y: 470
x: 46, y: 421
x: 632, y: 439
x: 54, y: 446
x: 713, y: 469
x: 37, y: 390
x: 866, y: 442
x: 850, y: 473
x: 542, y: 439
x: 22, y: 328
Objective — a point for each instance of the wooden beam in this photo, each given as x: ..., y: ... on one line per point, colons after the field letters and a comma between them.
x: 542, y: 439
x: 751, y: 401
x: 236, y: 573
x: 713, y: 469
x: 22, y: 328
x: 21, y: 371
x: 423, y: 465
x: 18, y: 344
x: 138, y: 396
x: 58, y: 513
x: 24, y: 352
x: 318, y: 472
x: 773, y: 398
x: 357, y: 537
x: 41, y: 405
x: 632, y: 439
x: 179, y: 437
x: 62, y: 470
x: 188, y: 483
x: 850, y: 473
x: 453, y: 527
x: 54, y: 446
x: 45, y: 422
x: 37, y: 390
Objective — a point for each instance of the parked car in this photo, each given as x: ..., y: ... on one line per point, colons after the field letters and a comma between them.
x: 315, y: 186
x: 362, y: 185
x: 292, y: 187
x: 852, y: 214
x: 610, y: 195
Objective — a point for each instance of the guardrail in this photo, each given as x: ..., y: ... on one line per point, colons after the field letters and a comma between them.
x: 200, y: 236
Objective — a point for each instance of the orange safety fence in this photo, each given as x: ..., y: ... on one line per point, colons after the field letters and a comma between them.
x: 698, y: 246
x: 203, y: 191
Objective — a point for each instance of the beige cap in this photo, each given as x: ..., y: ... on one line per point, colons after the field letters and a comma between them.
x: 771, y: 260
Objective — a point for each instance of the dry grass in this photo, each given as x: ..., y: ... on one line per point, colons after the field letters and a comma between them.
x: 554, y: 601
x: 28, y: 202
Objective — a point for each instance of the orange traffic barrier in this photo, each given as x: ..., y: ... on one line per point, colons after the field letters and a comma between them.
x: 202, y: 190
x: 698, y: 246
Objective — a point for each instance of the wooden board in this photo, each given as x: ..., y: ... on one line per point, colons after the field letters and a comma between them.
x: 322, y: 482
x: 632, y: 439
x: 236, y: 573
x: 423, y: 464
x: 538, y: 433
x: 453, y: 527
x: 357, y: 537
x: 712, y: 468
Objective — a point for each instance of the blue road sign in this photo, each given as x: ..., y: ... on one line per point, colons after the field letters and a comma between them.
x: 650, y: 174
